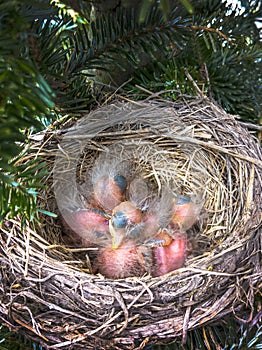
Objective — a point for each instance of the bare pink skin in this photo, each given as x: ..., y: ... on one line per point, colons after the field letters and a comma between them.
x: 126, y: 261
x: 107, y: 194
x: 170, y: 257
x: 88, y: 226
x: 185, y: 215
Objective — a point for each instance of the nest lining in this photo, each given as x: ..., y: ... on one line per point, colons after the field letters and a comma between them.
x: 46, y: 289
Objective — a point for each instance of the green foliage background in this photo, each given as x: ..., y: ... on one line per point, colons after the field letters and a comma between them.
x: 59, y: 59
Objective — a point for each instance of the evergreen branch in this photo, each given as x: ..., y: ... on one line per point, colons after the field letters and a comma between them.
x: 120, y: 34
x: 25, y: 102
x: 212, y: 30
x: 19, y: 189
x: 25, y: 96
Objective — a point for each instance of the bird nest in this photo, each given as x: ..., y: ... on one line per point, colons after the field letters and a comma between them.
x: 48, y: 289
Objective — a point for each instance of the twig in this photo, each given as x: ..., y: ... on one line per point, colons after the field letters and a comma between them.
x: 194, y: 83
x: 251, y: 126
x: 212, y: 30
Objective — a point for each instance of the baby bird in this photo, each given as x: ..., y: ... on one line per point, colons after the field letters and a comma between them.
x: 110, y: 191
x: 170, y: 254
x: 125, y: 223
x: 169, y: 245
x: 185, y: 213
x: 109, y: 177
x: 90, y: 226
x: 126, y: 257
x: 140, y: 218
x: 127, y: 260
x: 130, y: 227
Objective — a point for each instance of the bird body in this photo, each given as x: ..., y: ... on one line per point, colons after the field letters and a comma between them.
x: 110, y: 191
x: 185, y: 213
x: 90, y: 225
x: 170, y: 255
x: 126, y: 261
x: 109, y: 177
